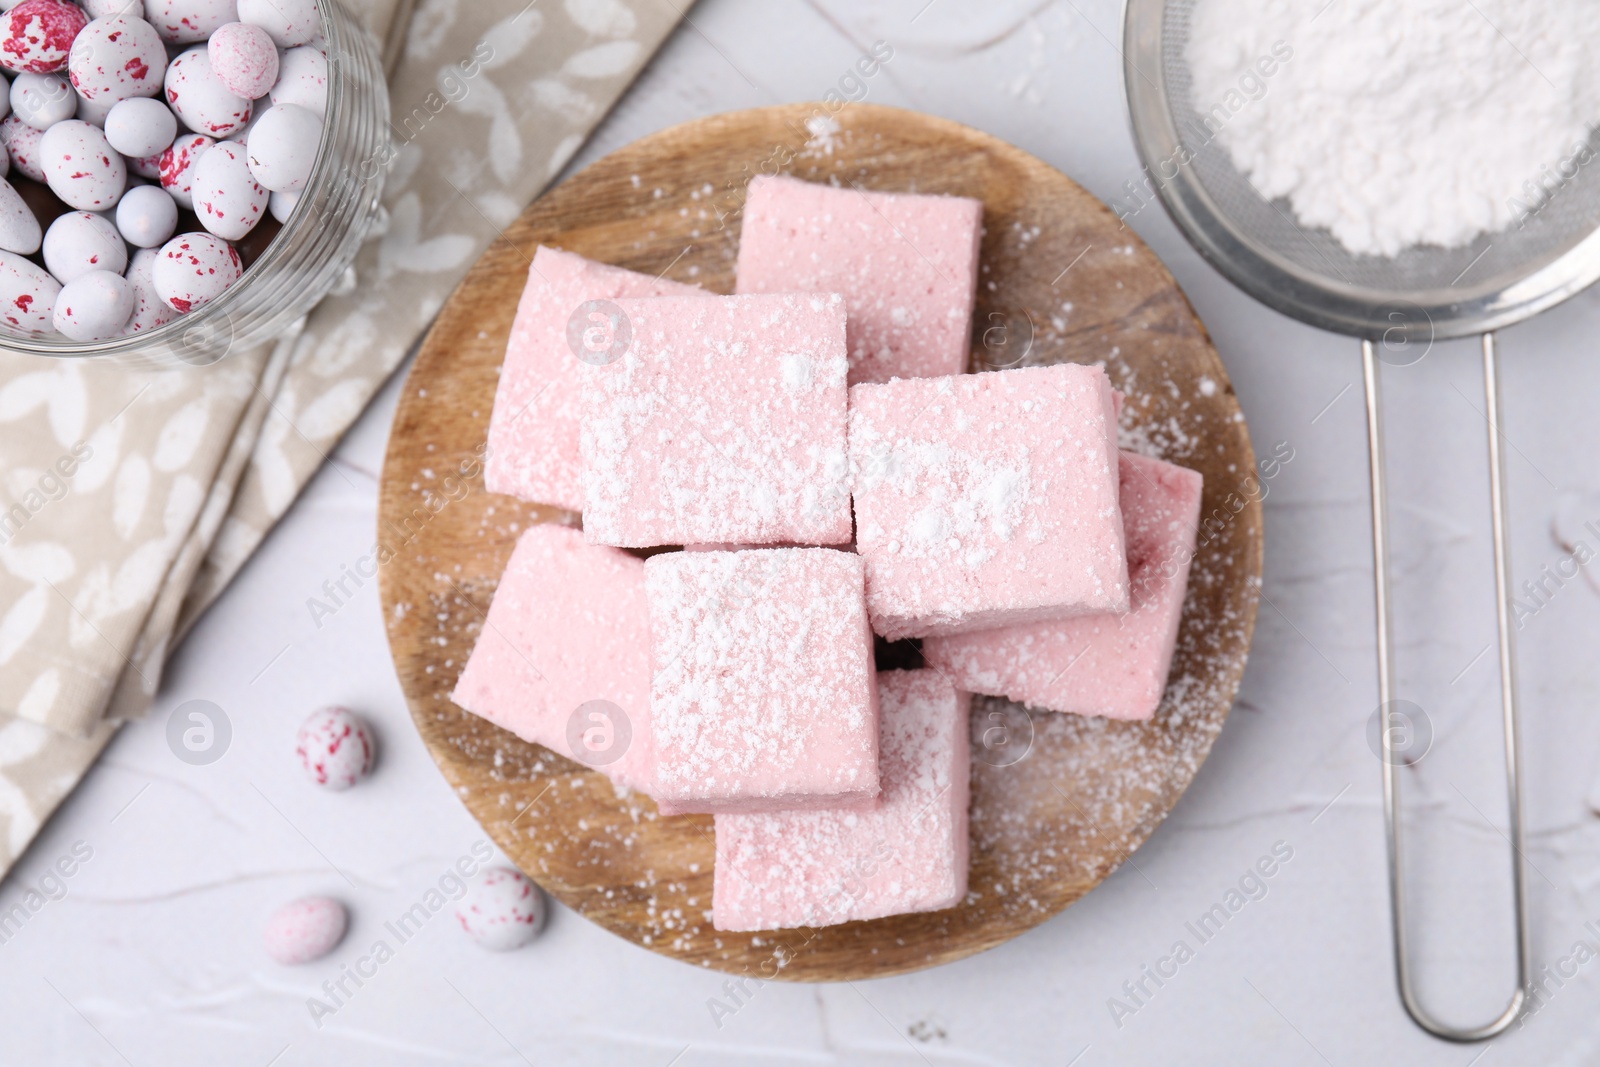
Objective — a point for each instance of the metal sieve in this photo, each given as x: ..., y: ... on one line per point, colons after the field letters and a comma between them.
x: 1401, y: 304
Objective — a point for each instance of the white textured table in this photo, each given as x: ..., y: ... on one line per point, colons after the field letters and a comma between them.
x: 152, y: 955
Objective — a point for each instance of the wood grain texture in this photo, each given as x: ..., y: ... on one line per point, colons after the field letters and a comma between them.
x: 1059, y: 801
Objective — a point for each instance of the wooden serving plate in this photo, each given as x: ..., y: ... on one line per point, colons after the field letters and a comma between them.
x: 1058, y: 801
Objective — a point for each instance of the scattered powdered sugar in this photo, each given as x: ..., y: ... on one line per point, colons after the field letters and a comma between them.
x: 1424, y: 122
x: 824, y: 131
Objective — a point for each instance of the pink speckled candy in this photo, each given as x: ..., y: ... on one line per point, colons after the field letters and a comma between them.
x: 227, y: 198
x: 27, y: 296
x: 93, y: 306
x: 117, y: 58
x: 178, y: 163
x: 36, y: 36
x: 244, y: 59
x: 186, y: 21
x: 140, y: 127
x: 303, y: 80
x: 335, y: 747
x: 148, y: 167
x: 22, y: 146
x: 194, y: 269
x: 290, y: 23
x: 200, y: 100
x: 81, y: 166
x: 149, y: 310
x: 305, y: 930
x: 502, y: 909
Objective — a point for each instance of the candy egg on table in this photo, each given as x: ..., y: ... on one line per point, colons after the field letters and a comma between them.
x: 81, y: 241
x: 290, y: 23
x: 305, y: 930
x: 27, y: 295
x: 283, y: 147
x: 502, y: 909
x: 335, y: 748
x: 93, y: 306
x: 42, y: 100
x: 36, y: 35
x: 194, y: 269
x: 282, y: 205
x: 149, y: 310
x: 200, y: 100
x: 140, y: 127
x: 147, y: 216
x: 19, y: 227
x: 118, y: 57
x: 178, y: 163
x: 22, y: 146
x: 244, y: 59
x: 186, y: 21
x: 227, y: 198
x: 81, y: 167
x: 303, y: 80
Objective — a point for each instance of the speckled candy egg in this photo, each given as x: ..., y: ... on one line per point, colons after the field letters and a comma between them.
x: 27, y: 296
x: 147, y: 216
x: 22, y: 146
x: 94, y: 306
x: 42, y: 100
x: 186, y: 21
x: 194, y: 269
x: 81, y: 166
x: 178, y: 163
x: 36, y: 35
x: 94, y: 112
x: 81, y: 241
x: 244, y: 59
x: 149, y: 310
x: 226, y: 197
x: 282, y: 205
x: 335, y: 747
x: 303, y: 80
x: 283, y: 147
x: 305, y: 930
x: 200, y: 101
x: 117, y: 58
x: 19, y: 226
x: 502, y: 909
x: 289, y: 22
x: 104, y: 9
x: 140, y: 127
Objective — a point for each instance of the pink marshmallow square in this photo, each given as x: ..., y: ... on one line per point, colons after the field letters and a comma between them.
x: 1111, y: 665
x: 563, y: 660
x: 906, y: 263
x: 987, y: 500
x: 762, y: 696
x: 817, y: 868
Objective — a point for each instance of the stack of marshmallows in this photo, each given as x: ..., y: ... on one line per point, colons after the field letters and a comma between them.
x: 831, y: 472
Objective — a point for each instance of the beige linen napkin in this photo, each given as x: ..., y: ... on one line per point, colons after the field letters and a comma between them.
x: 129, y: 499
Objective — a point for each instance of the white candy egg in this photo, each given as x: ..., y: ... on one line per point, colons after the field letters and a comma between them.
x: 27, y: 296
x: 244, y: 59
x: 305, y: 930
x: 81, y: 166
x: 303, y: 80
x: 502, y: 909
x: 335, y: 747
x: 147, y: 216
x: 5, y: 158
x: 94, y: 306
x: 200, y: 100
x: 116, y: 58
x: 104, y: 9
x: 149, y: 310
x: 36, y: 35
x: 42, y: 100
x: 140, y: 127
x: 94, y: 112
x: 81, y: 241
x: 184, y: 21
x: 178, y: 163
x: 226, y: 196
x: 22, y: 146
x: 19, y: 227
x: 283, y: 147
x: 282, y: 205
x: 194, y: 269
x: 289, y: 22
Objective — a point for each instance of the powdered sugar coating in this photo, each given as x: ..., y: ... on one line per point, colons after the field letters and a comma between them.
x: 502, y: 909
x: 305, y: 930
x: 569, y: 624
x: 335, y: 748
x: 908, y: 854
x: 533, y: 433
x: 762, y: 696
x: 36, y: 35
x: 986, y: 500
x: 724, y: 421
x: 907, y: 265
x: 1111, y: 665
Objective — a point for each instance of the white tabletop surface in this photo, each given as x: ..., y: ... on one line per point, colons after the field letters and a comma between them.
x: 153, y: 956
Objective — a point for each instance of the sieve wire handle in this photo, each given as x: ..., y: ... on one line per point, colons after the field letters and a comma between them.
x: 1508, y: 705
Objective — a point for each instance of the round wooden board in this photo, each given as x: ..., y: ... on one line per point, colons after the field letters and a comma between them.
x: 1058, y: 801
